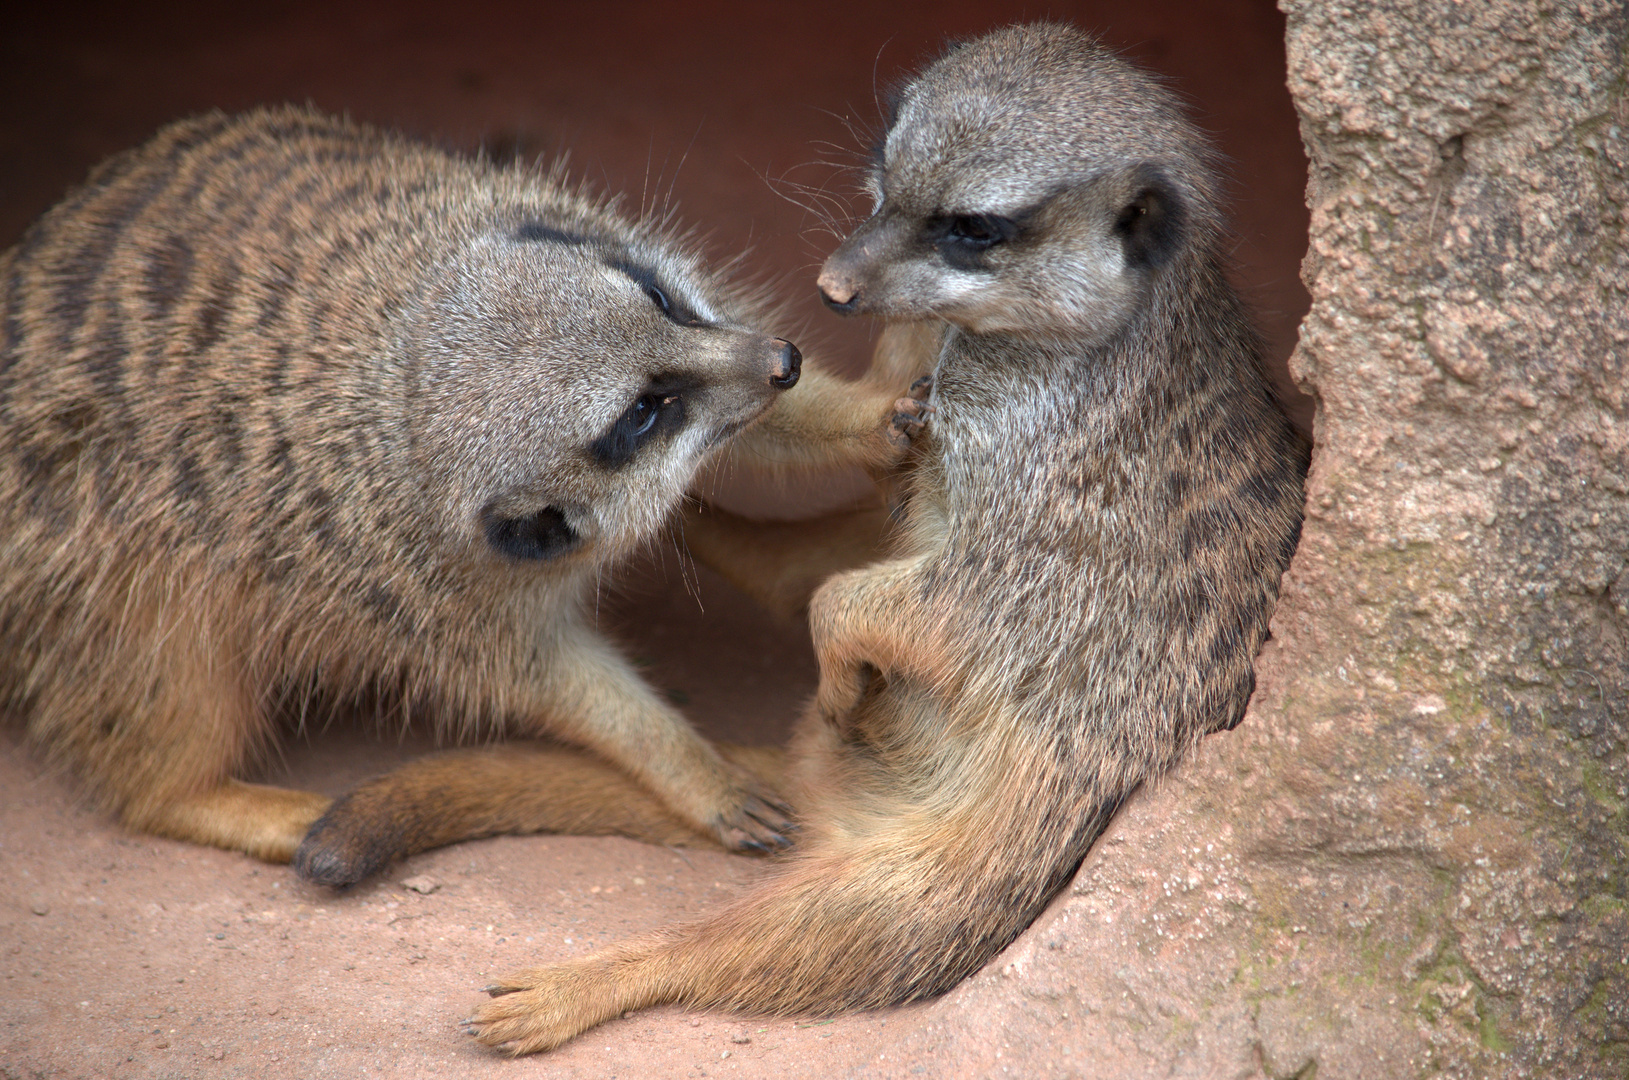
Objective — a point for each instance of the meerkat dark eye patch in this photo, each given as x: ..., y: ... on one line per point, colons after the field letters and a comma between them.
x: 543, y: 535
x: 665, y: 301
x: 962, y: 239
x: 658, y: 411
x: 1150, y: 224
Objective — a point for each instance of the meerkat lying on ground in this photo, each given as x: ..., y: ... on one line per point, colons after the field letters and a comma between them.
x: 295, y: 413
x: 1106, y: 496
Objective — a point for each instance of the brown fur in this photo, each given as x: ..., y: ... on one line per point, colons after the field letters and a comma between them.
x: 1106, y: 496
x: 296, y: 414
x: 519, y: 787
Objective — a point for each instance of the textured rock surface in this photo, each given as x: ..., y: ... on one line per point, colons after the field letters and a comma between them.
x: 1454, y: 634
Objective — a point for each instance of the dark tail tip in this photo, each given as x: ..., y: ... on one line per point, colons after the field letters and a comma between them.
x: 328, y: 856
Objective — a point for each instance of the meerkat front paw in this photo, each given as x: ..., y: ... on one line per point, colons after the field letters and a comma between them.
x: 540, y: 1009
x: 760, y: 823
x: 911, y: 413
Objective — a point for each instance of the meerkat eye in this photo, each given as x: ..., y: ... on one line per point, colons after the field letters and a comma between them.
x: 659, y: 298
x: 642, y: 417
x: 653, y: 410
x: 979, y: 231
x: 970, y: 230
x: 1128, y: 217
x: 962, y: 239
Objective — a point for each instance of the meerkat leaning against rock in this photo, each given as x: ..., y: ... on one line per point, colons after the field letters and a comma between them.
x: 294, y: 411
x: 1106, y: 496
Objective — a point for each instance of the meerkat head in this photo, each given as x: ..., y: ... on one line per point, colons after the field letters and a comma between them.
x: 1028, y: 182
x: 568, y: 380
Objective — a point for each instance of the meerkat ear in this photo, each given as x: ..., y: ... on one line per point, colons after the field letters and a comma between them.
x: 1151, y: 223
x: 543, y: 535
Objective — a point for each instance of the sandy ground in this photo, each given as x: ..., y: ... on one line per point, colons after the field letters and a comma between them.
x: 122, y: 955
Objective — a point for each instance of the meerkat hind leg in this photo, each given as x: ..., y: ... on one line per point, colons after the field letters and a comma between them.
x: 901, y: 903
x: 170, y: 764
x: 875, y: 915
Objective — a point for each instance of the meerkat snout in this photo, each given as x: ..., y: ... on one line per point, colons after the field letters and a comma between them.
x: 789, y: 365
x: 838, y: 292
x: 841, y: 281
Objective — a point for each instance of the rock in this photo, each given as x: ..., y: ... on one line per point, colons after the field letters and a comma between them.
x: 423, y: 884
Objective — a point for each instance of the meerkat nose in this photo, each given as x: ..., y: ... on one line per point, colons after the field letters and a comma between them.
x: 838, y: 294
x: 790, y: 366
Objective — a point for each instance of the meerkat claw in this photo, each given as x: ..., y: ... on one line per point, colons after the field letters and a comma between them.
x: 759, y: 825
x: 910, y: 416
x: 775, y: 841
x: 784, y: 810
x: 781, y: 830
x: 775, y: 821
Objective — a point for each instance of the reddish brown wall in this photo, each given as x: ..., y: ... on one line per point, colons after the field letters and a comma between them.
x: 725, y: 107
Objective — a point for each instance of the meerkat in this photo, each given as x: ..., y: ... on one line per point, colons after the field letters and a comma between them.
x: 294, y: 411
x: 466, y: 794
x: 1105, y: 496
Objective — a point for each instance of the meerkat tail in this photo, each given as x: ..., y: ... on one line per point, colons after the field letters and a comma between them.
x: 467, y: 794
